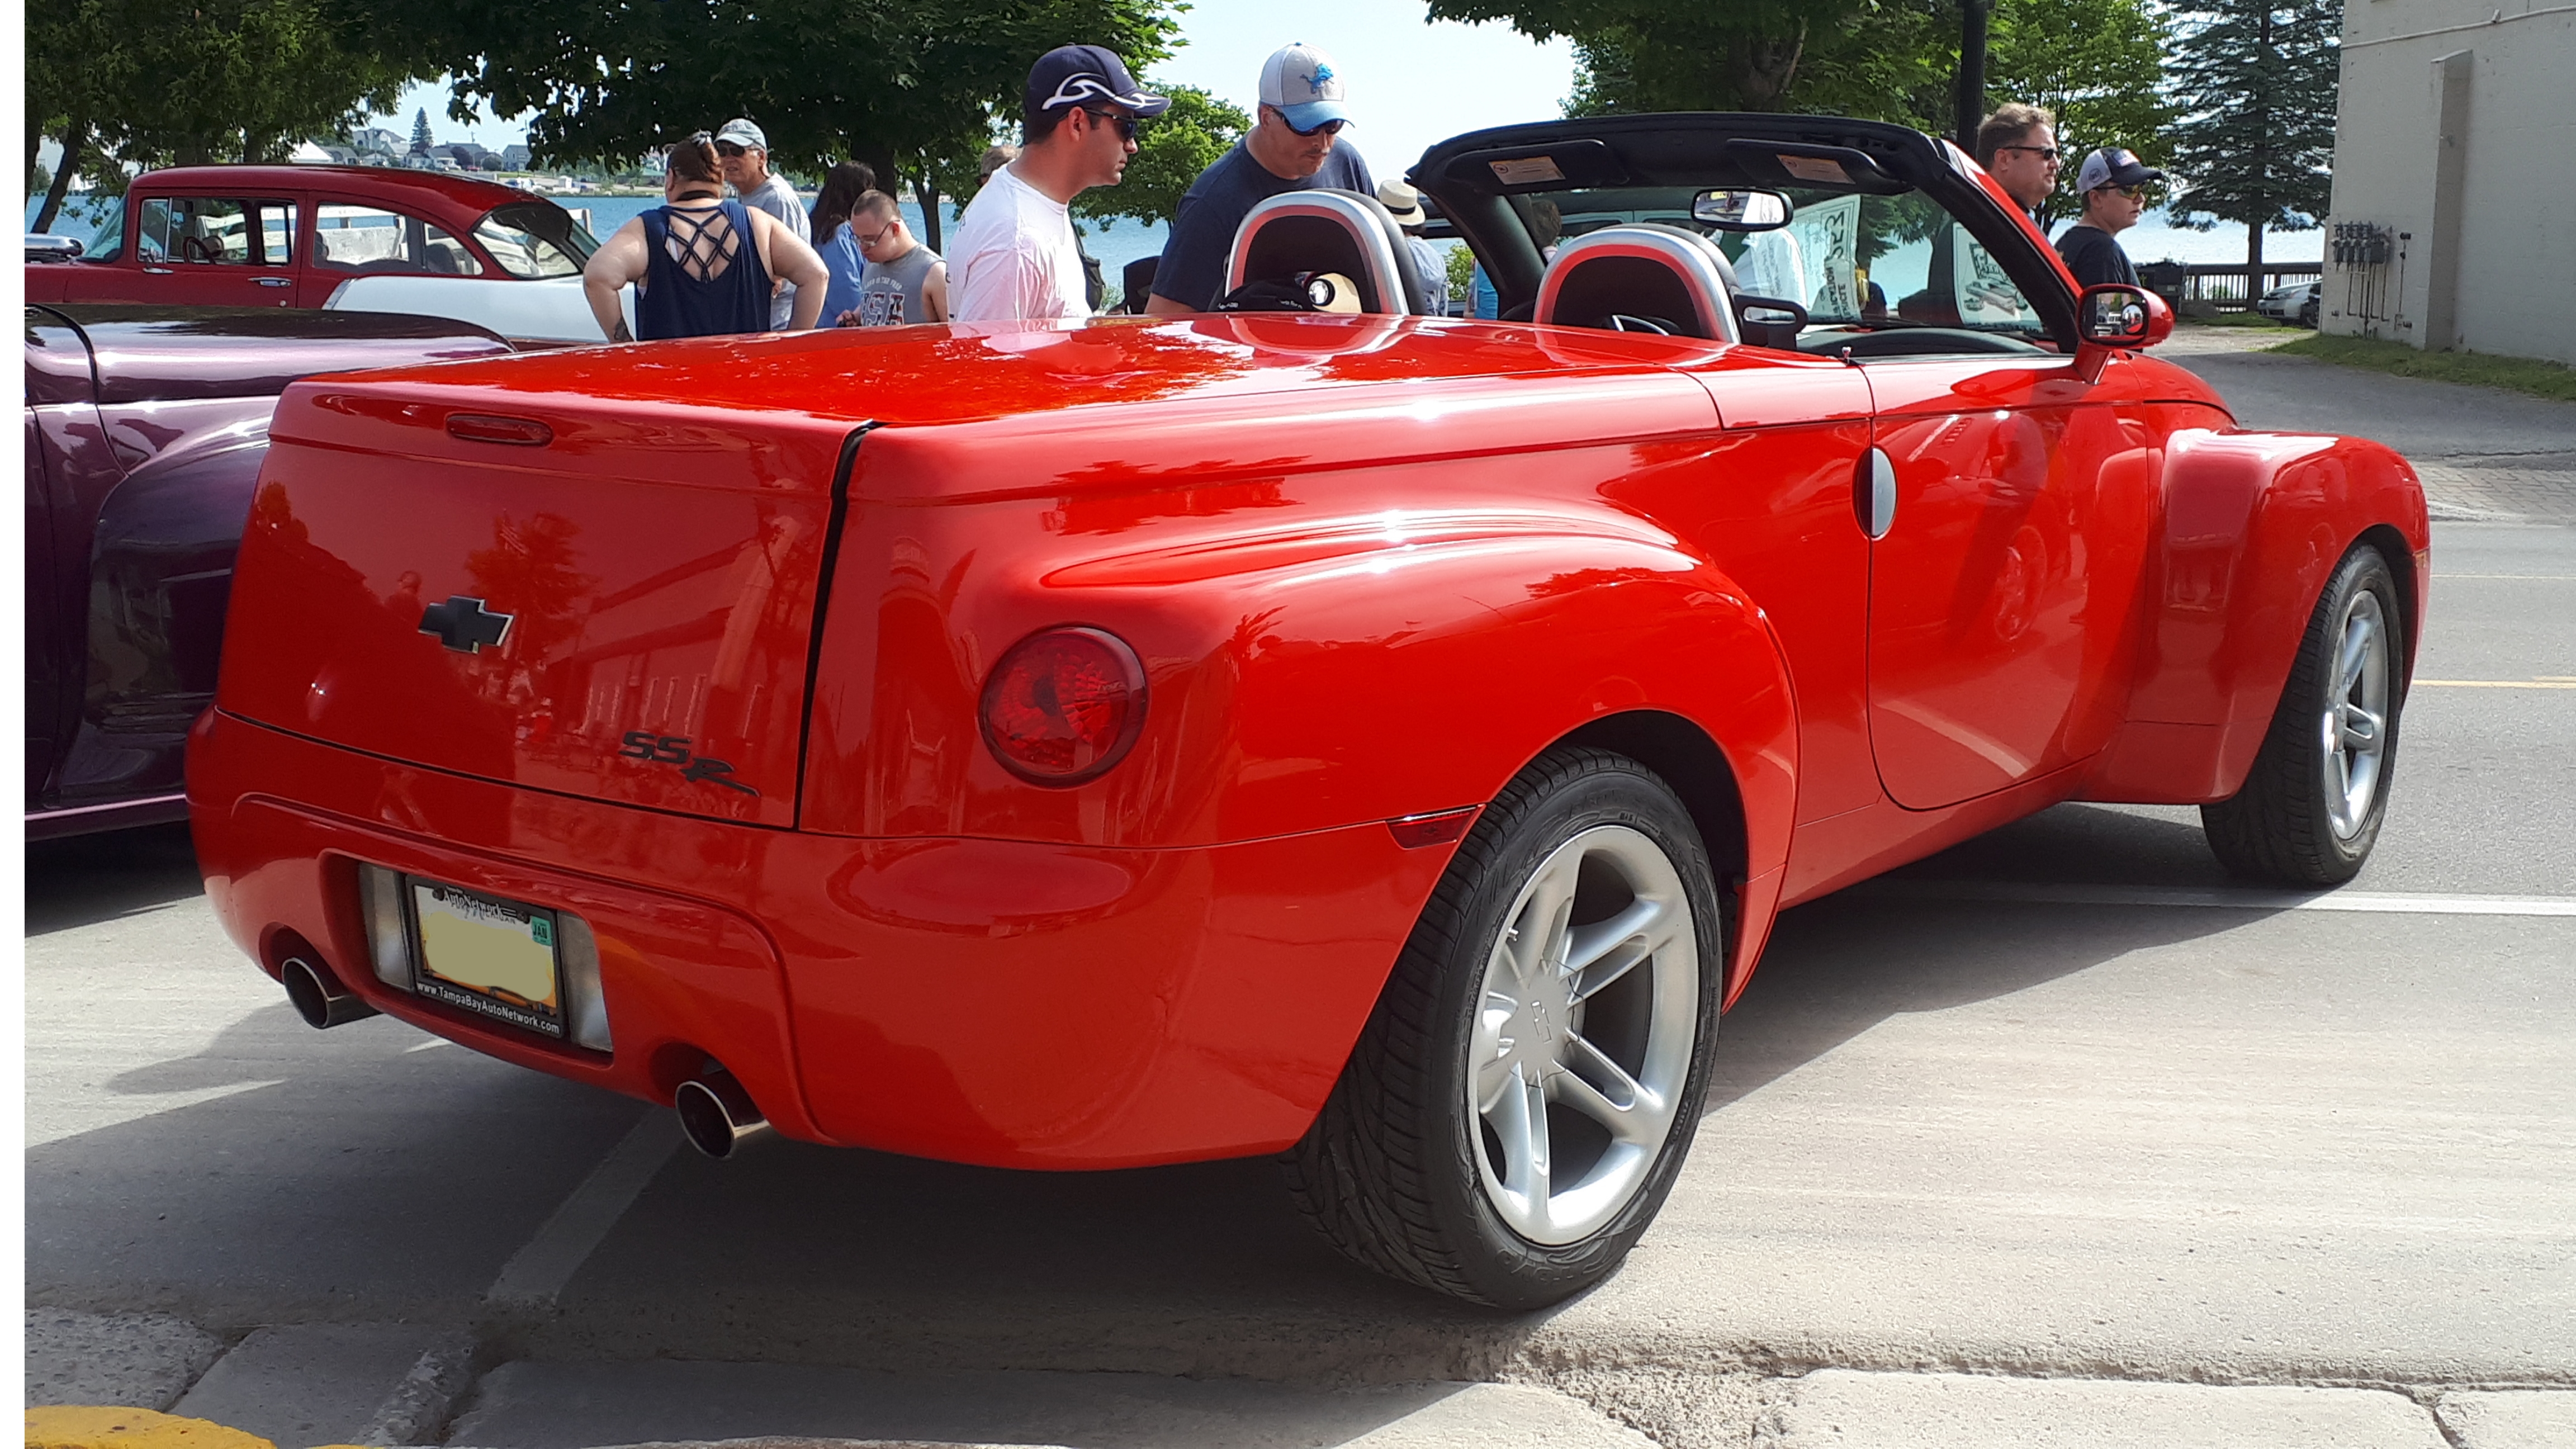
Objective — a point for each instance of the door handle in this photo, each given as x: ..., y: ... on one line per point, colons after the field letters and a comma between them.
x: 273, y: 281
x: 1874, y: 494
x: 156, y: 271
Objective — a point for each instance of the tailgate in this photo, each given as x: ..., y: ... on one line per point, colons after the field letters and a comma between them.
x: 603, y: 600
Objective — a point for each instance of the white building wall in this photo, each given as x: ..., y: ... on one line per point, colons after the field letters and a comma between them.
x: 2512, y: 277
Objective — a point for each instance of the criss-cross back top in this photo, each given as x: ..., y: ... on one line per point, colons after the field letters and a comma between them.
x: 703, y: 276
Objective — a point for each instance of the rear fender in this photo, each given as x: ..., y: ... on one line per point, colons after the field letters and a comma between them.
x: 2253, y: 524
x: 1313, y: 676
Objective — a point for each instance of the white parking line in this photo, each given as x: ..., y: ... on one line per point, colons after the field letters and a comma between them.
x: 2225, y: 898
x: 539, y: 1271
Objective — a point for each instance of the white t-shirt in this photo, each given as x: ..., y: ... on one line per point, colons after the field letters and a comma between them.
x: 1014, y: 257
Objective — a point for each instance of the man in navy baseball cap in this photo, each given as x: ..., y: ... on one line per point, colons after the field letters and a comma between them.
x: 1082, y: 75
x: 1014, y: 257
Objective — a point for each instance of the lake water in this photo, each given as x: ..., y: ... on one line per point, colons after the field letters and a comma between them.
x: 1118, y: 243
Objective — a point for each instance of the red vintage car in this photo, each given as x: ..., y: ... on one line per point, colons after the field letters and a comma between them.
x: 1379, y: 740
x: 290, y: 236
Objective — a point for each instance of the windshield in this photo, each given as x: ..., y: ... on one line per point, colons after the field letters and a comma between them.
x: 109, y: 240
x: 1851, y: 260
x: 534, y: 239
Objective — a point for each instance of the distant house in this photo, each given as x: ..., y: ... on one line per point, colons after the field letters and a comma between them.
x: 515, y: 157
x: 2449, y: 222
x: 379, y: 140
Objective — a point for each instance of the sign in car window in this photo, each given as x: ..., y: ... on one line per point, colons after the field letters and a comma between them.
x: 353, y: 238
x: 218, y: 231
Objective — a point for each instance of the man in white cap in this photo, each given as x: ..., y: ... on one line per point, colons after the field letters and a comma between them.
x: 2114, y: 184
x: 1405, y: 204
x: 742, y: 149
x: 1290, y: 148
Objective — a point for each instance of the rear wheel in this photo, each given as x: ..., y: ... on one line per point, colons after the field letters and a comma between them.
x: 1523, y: 1096
x: 2311, y: 807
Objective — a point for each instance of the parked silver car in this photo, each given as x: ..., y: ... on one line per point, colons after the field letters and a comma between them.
x: 2297, y: 302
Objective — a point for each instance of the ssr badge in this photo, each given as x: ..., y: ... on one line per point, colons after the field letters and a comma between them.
x: 674, y: 750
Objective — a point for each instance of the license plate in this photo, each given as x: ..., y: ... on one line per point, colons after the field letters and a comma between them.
x: 487, y: 955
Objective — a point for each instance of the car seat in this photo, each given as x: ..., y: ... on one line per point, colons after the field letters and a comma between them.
x: 1305, y: 232
x: 1641, y: 277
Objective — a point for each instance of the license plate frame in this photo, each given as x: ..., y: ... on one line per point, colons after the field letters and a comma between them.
x: 487, y: 948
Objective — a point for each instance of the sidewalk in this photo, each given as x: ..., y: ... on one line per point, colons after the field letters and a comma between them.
x: 352, y: 1384
x: 2484, y: 454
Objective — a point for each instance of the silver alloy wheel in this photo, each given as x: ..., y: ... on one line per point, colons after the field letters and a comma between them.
x: 1586, y: 1014
x: 2355, y: 722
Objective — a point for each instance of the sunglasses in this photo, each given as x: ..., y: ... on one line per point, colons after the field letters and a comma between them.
x: 872, y: 238
x: 1320, y: 128
x: 2134, y: 193
x: 1119, y: 121
x: 2045, y: 153
x: 728, y: 150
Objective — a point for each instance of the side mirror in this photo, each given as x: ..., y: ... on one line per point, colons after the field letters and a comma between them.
x: 2118, y: 316
x: 1742, y: 208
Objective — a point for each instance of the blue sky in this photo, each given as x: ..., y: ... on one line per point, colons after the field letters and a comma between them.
x: 1411, y: 82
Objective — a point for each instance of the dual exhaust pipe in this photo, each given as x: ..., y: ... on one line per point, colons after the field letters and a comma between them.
x: 716, y: 1114
x: 317, y: 996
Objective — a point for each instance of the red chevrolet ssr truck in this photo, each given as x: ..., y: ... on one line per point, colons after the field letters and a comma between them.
x: 1378, y: 740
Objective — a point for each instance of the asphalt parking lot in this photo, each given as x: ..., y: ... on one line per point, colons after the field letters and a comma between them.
x: 2055, y: 1138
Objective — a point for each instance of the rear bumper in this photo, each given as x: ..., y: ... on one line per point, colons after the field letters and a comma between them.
x: 993, y: 1002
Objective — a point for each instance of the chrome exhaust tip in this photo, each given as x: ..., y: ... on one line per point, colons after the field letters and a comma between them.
x: 717, y: 1115
x: 317, y: 997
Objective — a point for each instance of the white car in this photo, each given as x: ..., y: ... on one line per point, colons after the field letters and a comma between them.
x: 552, y: 310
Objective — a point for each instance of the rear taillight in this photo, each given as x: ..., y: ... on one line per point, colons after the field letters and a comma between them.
x: 1064, y: 705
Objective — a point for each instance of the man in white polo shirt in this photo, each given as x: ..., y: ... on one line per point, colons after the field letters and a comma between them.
x: 1015, y: 257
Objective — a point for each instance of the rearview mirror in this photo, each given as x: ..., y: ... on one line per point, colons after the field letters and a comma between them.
x: 1741, y: 208
x: 2114, y: 315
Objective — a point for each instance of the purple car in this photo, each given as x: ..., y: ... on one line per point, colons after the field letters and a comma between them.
x: 145, y: 430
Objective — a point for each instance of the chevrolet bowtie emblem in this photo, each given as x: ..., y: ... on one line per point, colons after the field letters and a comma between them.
x: 464, y: 625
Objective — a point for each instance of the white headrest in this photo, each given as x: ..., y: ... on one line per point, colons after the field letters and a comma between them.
x: 1694, y: 261
x: 1325, y: 231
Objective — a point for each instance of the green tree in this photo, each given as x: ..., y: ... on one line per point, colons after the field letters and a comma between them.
x: 1889, y: 60
x: 1171, y: 150
x: 134, y: 83
x: 2096, y: 65
x: 907, y: 86
x: 2255, y: 82
x: 421, y: 140
x: 1643, y: 55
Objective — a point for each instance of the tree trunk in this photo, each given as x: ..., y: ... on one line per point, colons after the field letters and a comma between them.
x: 2254, y: 261
x: 927, y: 193
x: 1761, y: 68
x: 1973, y: 17
x: 75, y: 137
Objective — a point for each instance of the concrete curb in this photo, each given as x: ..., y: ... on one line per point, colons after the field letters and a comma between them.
x: 1853, y: 1410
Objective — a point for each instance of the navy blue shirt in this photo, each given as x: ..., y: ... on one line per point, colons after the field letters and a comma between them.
x: 2095, y: 257
x: 1192, y: 271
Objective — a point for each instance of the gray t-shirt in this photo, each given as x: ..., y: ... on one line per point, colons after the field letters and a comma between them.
x: 890, y: 292
x: 779, y: 199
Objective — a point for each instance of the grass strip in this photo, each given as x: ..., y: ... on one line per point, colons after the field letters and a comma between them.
x: 2248, y: 318
x: 2553, y: 380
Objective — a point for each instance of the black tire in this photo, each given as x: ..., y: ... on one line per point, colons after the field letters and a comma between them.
x: 1394, y: 1169
x: 2289, y: 825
